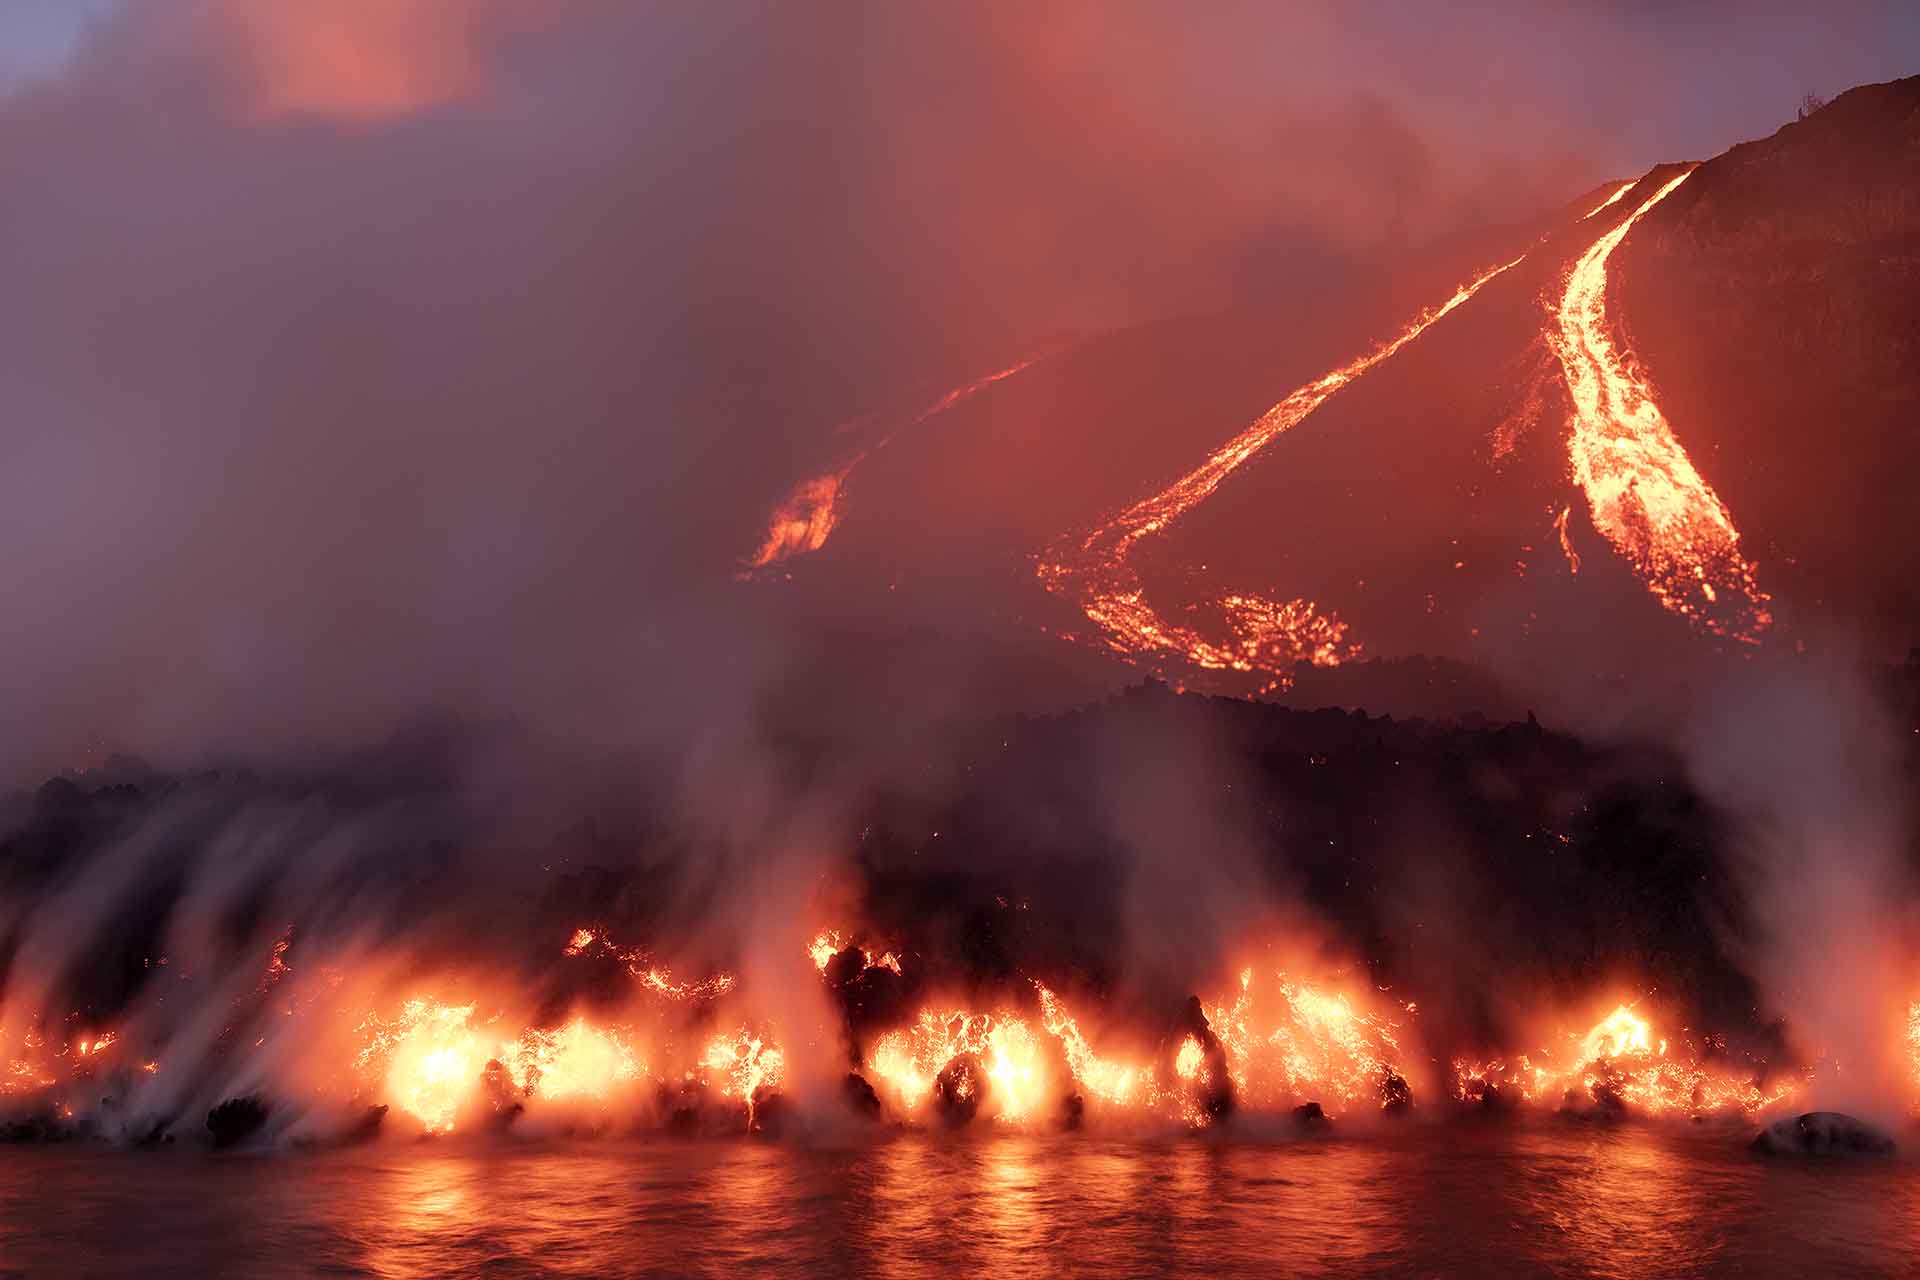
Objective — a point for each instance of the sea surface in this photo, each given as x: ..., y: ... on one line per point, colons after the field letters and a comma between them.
x: 1538, y: 1199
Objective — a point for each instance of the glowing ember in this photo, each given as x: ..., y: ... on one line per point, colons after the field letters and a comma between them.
x: 87, y: 1048
x: 1644, y: 494
x: 661, y: 983
x: 277, y: 967
x: 805, y: 521
x: 1268, y: 638
x: 34, y: 1064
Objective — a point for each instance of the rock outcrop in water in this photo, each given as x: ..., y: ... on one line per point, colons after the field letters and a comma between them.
x: 859, y: 1096
x: 237, y: 1119
x: 1822, y: 1133
x: 959, y: 1089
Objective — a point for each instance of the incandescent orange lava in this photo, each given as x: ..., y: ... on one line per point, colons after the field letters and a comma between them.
x: 908, y: 1063
x: 1288, y: 1041
x: 1610, y: 201
x: 430, y: 1059
x: 805, y: 521
x: 1645, y: 495
x: 829, y: 943
x: 1272, y: 1041
x: 1621, y: 1061
x: 579, y: 1060
x: 744, y: 1065
x: 1104, y: 1080
x: 1266, y: 638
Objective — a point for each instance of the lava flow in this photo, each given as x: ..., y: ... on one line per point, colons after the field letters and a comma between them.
x: 968, y: 1063
x: 1291, y: 1041
x: 1269, y: 638
x: 803, y: 523
x: 829, y: 943
x: 1619, y: 1063
x: 1275, y: 1042
x: 1644, y: 493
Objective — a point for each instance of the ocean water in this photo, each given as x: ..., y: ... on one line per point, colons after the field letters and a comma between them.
x: 1528, y: 1199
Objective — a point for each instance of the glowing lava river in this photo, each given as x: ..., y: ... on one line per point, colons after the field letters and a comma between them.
x: 312, y: 1057
x: 1269, y: 637
x: 1644, y: 492
x: 1643, y: 495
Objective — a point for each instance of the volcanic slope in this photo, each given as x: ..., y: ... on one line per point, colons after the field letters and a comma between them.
x: 1431, y: 502
x: 1775, y: 302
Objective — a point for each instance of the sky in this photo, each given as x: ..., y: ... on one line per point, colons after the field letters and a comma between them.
x: 369, y: 353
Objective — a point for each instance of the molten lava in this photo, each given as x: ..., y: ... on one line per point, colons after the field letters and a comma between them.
x: 1290, y: 1042
x: 432, y: 1059
x: 910, y: 1062
x: 579, y: 1060
x: 805, y: 521
x: 1266, y: 638
x: 829, y: 943
x: 1620, y: 1062
x: 1643, y: 492
x: 1610, y: 201
x: 1106, y: 1080
x: 745, y: 1065
x: 653, y: 977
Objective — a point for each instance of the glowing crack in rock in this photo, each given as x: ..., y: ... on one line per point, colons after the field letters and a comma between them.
x: 1645, y: 496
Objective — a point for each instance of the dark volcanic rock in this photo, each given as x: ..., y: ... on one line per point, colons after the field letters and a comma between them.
x: 768, y: 1115
x: 367, y: 1126
x: 237, y: 1119
x: 43, y: 1124
x: 859, y: 1096
x: 1822, y: 1133
x: 959, y: 1089
x: 1214, y: 1083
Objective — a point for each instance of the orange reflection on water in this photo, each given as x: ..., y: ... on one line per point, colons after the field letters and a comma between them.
x: 1417, y: 1198
x: 428, y: 1202
x: 1627, y: 1204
